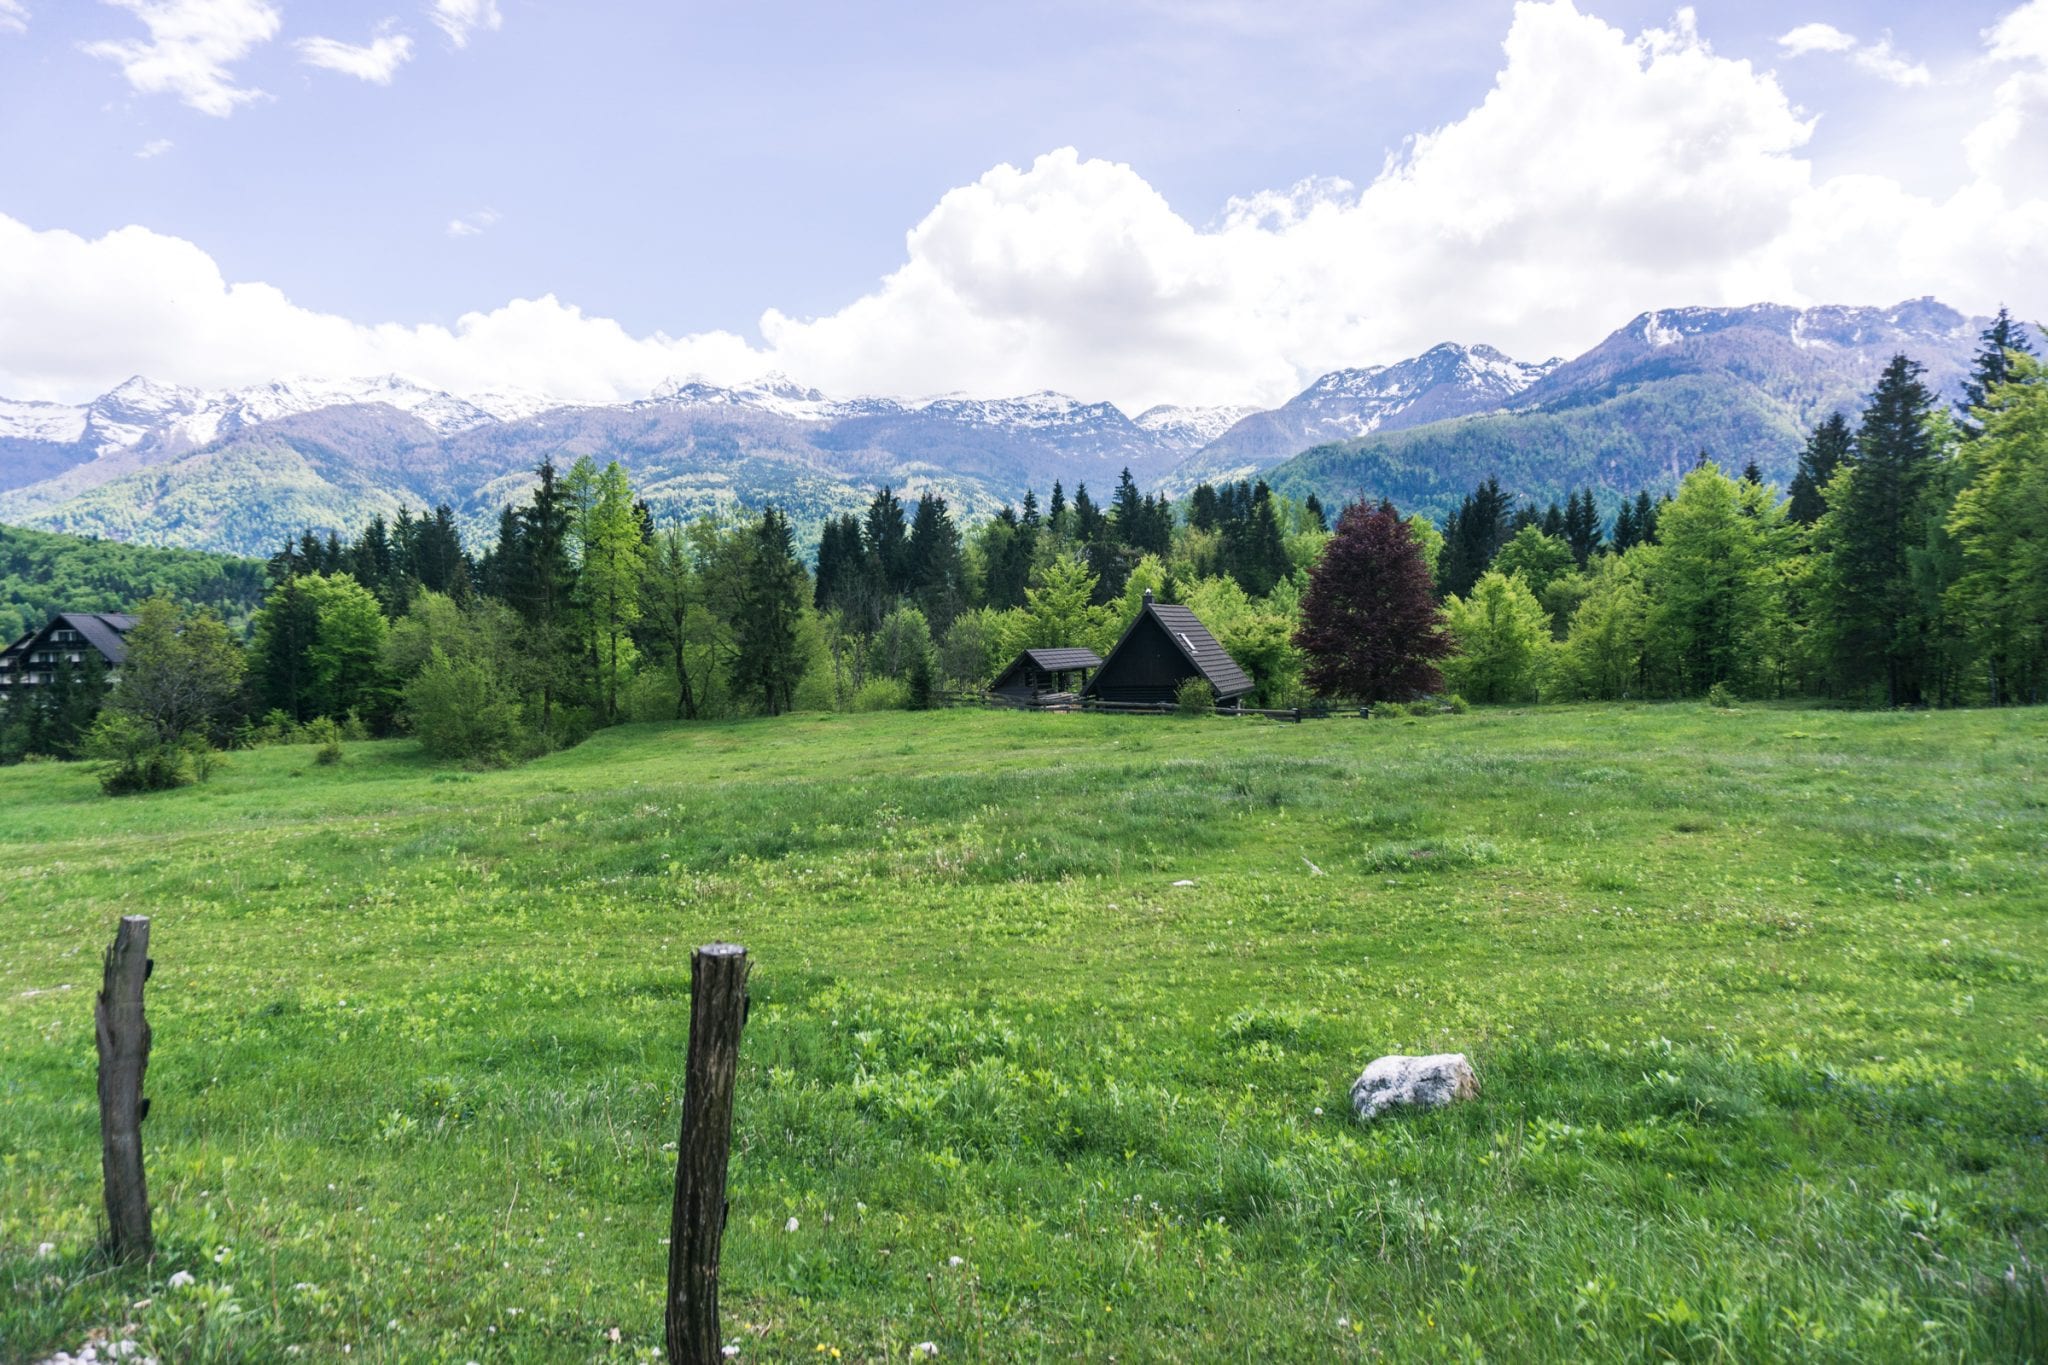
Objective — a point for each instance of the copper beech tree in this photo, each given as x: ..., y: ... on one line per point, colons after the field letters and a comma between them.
x: 1370, y: 623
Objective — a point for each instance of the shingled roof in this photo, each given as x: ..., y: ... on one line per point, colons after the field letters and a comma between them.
x: 1063, y: 660
x: 1195, y: 643
x: 103, y: 630
x: 1211, y: 659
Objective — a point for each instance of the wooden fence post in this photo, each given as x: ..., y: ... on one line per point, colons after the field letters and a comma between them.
x: 123, y: 1037
x: 718, y: 1011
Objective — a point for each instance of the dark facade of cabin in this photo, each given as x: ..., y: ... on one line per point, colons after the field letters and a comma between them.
x: 1039, y: 671
x: 1160, y: 650
x: 74, y: 639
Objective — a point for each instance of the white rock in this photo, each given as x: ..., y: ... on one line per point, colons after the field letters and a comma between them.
x: 1399, y: 1082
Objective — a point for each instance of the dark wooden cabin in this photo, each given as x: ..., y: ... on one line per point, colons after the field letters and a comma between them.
x: 1160, y: 650
x: 73, y: 639
x: 1039, y: 671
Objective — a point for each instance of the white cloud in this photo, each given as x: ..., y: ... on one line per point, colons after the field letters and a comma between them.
x: 460, y: 18
x: 1815, y: 38
x: 1879, y: 59
x: 2011, y: 144
x: 155, y: 147
x: 13, y: 16
x: 472, y: 224
x: 192, y: 44
x: 378, y: 62
x: 1602, y: 175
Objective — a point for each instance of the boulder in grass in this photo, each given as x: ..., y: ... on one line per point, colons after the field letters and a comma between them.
x: 1399, y: 1082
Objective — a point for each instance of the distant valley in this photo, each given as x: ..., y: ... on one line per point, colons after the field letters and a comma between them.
x: 239, y: 471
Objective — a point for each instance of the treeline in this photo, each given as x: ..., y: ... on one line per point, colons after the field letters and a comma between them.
x: 42, y: 573
x: 1906, y: 564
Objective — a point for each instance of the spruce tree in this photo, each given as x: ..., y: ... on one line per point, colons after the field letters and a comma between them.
x: 1624, y: 538
x: 1879, y: 636
x: 1056, y: 510
x: 1582, y: 526
x: 886, y: 537
x: 1823, y: 454
x: 1314, y: 507
x: 1998, y: 345
x: 767, y: 661
x: 937, y: 571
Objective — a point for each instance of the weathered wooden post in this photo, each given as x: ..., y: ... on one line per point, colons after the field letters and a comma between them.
x: 718, y: 1011
x: 123, y: 1036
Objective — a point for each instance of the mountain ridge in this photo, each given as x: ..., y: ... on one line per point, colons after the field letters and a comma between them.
x: 231, y: 470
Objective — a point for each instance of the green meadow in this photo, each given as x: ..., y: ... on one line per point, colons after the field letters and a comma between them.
x: 1758, y: 1000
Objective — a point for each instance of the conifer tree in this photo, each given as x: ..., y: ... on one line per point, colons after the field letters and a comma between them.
x: 1878, y: 632
x: 886, y: 538
x: 937, y: 570
x: 1624, y: 538
x: 1823, y: 454
x: 1582, y: 526
x: 767, y: 661
x: 1314, y: 507
x: 1056, y: 510
x: 1998, y: 345
x: 2000, y: 522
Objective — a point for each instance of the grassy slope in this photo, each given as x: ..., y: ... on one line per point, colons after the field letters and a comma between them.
x: 1758, y: 1000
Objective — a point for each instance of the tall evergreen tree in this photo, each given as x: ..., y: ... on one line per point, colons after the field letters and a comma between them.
x: 938, y: 575
x: 886, y: 537
x: 1879, y: 635
x: 543, y: 582
x: 1314, y: 507
x: 1624, y: 538
x: 767, y: 661
x: 1998, y: 344
x: 2000, y: 522
x: 1823, y: 454
x: 1056, y: 510
x: 1582, y: 526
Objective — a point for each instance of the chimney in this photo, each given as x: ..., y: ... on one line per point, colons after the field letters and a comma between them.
x: 1148, y: 597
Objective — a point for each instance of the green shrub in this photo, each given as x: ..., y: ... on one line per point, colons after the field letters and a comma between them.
x: 881, y: 694
x: 1721, y: 697
x: 462, y: 710
x: 1195, y: 697
x: 325, y: 732
x: 132, y: 758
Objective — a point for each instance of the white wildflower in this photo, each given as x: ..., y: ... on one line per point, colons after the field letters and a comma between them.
x: 729, y: 1350
x: 790, y: 1226
x: 955, y: 1261
x: 181, y: 1279
x: 44, y: 1249
x: 926, y: 1348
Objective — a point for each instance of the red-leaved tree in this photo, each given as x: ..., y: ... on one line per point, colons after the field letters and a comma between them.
x: 1369, y: 621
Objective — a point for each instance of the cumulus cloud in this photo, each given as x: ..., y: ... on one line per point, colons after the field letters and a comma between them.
x: 377, y: 62
x: 13, y: 16
x: 191, y: 47
x: 1880, y: 59
x: 1603, y: 174
x: 460, y: 18
x: 472, y: 224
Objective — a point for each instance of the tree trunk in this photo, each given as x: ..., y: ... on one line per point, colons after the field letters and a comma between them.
x: 718, y: 1011
x: 122, y: 1034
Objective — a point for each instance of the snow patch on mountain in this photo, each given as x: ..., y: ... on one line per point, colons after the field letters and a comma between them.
x: 1190, y: 428
x: 56, y: 423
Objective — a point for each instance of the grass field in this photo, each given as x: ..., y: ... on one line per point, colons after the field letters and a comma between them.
x: 1759, y: 1001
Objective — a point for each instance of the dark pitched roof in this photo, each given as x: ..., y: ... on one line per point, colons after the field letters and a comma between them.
x: 1210, y: 659
x: 1064, y: 660
x: 103, y: 630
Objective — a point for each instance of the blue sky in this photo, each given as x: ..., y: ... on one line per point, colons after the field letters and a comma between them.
x: 681, y: 169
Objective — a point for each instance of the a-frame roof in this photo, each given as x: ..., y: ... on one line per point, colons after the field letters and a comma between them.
x: 1193, y: 639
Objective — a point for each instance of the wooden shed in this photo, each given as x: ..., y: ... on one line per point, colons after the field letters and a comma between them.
x: 1160, y: 650
x: 1038, y: 671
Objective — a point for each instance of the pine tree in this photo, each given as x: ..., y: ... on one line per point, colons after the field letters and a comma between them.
x: 1553, y: 524
x: 1998, y: 345
x: 1314, y: 507
x: 1369, y: 620
x: 542, y: 583
x: 1646, y: 518
x: 1823, y: 454
x: 2000, y: 523
x: 1203, y: 512
x: 1625, y: 537
x: 1056, y: 510
x: 281, y: 650
x: 1028, y: 512
x: 1582, y: 526
x: 937, y: 571
x: 767, y: 660
x: 886, y: 537
x: 1879, y: 636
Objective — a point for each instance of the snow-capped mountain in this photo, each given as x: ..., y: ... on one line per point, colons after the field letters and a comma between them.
x: 1443, y: 382
x: 240, y: 469
x: 1190, y: 429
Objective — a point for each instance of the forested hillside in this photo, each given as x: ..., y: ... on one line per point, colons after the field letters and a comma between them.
x: 42, y: 573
